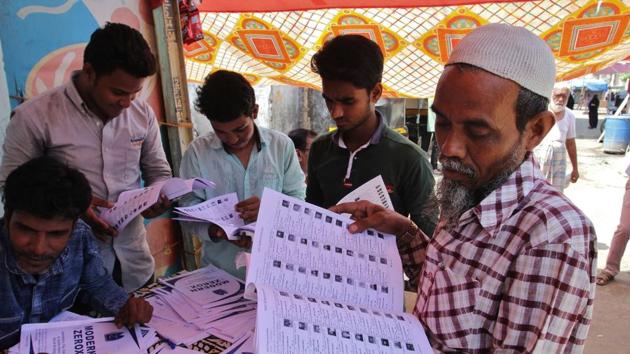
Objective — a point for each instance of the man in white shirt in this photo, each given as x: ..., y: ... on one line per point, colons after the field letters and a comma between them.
x: 94, y: 124
x: 560, y: 141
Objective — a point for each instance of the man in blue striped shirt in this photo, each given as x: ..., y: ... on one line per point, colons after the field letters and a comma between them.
x: 47, y: 254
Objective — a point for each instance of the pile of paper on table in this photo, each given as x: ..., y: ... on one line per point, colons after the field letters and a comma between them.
x: 193, y: 305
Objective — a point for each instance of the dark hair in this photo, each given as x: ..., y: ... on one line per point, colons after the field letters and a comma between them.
x: 118, y: 46
x: 46, y: 188
x: 528, y: 104
x: 299, y: 137
x: 351, y: 58
x: 225, y: 96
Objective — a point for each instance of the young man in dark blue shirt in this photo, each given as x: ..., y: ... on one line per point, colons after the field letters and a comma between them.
x: 47, y: 254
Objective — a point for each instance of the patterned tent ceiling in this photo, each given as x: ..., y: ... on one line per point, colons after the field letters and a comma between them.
x: 297, y: 5
x: 276, y: 47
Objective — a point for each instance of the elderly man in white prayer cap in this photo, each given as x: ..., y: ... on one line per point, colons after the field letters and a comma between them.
x: 559, y: 142
x: 511, y: 265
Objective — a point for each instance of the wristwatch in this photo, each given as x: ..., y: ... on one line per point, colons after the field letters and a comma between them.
x: 410, y: 233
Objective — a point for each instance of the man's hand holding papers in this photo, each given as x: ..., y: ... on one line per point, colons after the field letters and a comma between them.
x: 99, y: 226
x: 159, y: 208
x: 155, y: 197
x: 243, y: 241
x: 248, y: 209
x: 223, y: 215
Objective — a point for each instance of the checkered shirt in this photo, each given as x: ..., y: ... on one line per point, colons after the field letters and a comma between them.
x: 516, y: 275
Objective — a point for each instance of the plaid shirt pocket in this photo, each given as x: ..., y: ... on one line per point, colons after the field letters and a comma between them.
x: 451, y: 313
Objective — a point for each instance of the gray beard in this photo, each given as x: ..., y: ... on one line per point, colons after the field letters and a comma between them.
x: 455, y: 199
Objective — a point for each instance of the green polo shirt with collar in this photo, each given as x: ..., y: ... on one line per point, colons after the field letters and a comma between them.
x: 404, y: 167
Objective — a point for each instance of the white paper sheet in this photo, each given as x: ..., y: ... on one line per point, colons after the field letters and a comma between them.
x: 176, y: 187
x: 292, y: 323
x: 129, y: 205
x: 221, y: 211
x: 177, y: 332
x: 243, y: 345
x: 373, y: 191
x: 234, y: 326
x: 206, y: 285
x: 133, y: 202
x: 145, y: 336
x: 185, y: 308
x: 166, y: 349
x: 303, y: 248
x: 242, y: 259
x: 86, y: 336
x: 170, y: 325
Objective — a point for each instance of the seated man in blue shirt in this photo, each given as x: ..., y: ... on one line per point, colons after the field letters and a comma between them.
x: 47, y: 254
x: 238, y: 156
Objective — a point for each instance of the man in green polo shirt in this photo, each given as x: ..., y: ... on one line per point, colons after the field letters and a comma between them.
x: 363, y: 147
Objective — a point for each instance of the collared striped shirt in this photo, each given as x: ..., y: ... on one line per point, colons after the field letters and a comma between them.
x: 517, y: 274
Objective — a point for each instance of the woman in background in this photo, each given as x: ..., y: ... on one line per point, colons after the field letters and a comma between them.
x: 593, y: 106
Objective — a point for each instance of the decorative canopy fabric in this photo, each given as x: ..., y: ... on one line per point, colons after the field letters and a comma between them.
x: 301, y: 5
x: 276, y: 47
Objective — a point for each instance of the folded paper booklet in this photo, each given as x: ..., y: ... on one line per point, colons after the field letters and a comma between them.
x: 133, y: 202
x: 322, y: 289
x: 221, y: 212
x: 373, y: 191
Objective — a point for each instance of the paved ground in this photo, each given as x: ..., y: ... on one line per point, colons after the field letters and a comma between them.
x: 599, y: 193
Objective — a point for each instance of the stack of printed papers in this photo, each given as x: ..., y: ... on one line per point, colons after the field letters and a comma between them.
x: 96, y: 335
x: 191, y: 306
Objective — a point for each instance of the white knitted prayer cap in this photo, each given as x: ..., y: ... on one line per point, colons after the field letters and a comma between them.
x: 510, y: 52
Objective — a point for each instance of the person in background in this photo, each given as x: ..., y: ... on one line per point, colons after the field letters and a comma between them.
x: 593, y: 107
x: 240, y: 157
x: 302, y: 140
x: 570, y: 100
x: 47, y: 254
x: 619, y: 240
x: 610, y: 99
x: 551, y: 154
x: 511, y: 266
x: 363, y: 146
x: 95, y: 124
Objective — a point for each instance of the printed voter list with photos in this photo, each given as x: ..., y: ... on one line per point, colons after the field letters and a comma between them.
x: 318, y: 286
